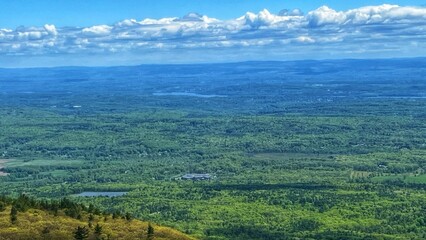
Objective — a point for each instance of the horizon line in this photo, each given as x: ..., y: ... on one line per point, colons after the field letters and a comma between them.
x: 218, y: 63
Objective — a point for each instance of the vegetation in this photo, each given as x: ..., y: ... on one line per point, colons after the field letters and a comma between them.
x: 49, y: 220
x: 307, y: 150
x: 81, y: 233
x: 150, y: 232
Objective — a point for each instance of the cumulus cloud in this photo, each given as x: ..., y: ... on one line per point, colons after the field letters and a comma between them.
x: 97, y: 30
x: 51, y: 29
x: 325, y: 15
x: 291, y: 31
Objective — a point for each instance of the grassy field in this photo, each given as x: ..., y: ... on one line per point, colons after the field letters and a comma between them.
x: 408, y: 178
x: 41, y: 162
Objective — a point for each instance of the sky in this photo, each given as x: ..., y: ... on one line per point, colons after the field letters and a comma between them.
x: 38, y: 33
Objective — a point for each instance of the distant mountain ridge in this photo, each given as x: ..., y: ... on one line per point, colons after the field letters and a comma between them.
x: 306, y: 61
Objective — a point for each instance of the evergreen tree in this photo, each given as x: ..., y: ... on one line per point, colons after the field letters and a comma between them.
x: 91, y: 208
x: 128, y: 216
x: 13, y: 215
x: 98, y: 229
x: 24, y: 202
x: 81, y: 233
x: 116, y: 215
x: 150, y: 231
x: 96, y: 211
x: 73, y: 211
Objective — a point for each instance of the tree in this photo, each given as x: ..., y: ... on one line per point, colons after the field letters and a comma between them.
x: 2, y: 206
x: 81, y: 233
x: 150, y: 231
x: 45, y: 230
x: 115, y: 215
x: 73, y: 211
x: 24, y: 202
x: 128, y: 216
x: 13, y: 215
x: 91, y: 208
x: 98, y: 229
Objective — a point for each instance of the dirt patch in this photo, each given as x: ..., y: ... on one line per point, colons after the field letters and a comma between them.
x: 2, y: 165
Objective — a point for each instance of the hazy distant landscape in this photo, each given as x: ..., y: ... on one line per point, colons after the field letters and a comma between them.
x: 331, y: 149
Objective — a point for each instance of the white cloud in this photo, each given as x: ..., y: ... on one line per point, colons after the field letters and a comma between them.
x: 305, y: 39
x: 51, y: 29
x: 321, y: 30
x: 265, y: 19
x: 325, y: 15
x: 97, y: 30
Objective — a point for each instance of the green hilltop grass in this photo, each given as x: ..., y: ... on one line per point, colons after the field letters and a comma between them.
x: 39, y: 224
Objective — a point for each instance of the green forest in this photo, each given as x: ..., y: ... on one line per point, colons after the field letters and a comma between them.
x: 281, y: 168
x: 274, y: 176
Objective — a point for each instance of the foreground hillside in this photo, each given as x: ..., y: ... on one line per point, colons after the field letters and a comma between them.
x: 41, y: 224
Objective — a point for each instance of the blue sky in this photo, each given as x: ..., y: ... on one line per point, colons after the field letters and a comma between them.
x: 112, y: 32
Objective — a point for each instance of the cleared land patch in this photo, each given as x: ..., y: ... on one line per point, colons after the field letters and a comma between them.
x: 42, y: 162
x: 2, y: 164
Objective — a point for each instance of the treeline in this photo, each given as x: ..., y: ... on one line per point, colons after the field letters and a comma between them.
x: 69, y: 207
